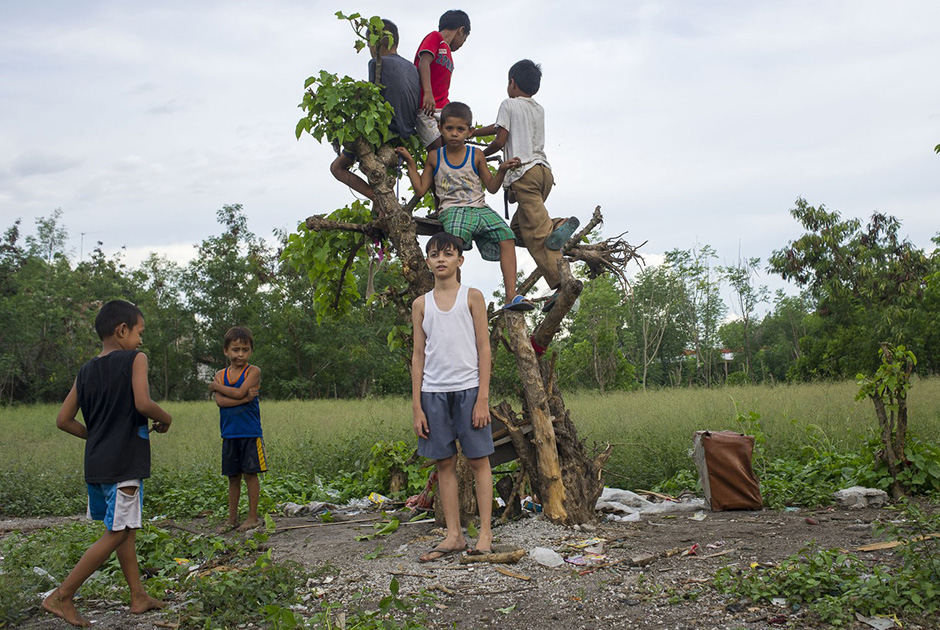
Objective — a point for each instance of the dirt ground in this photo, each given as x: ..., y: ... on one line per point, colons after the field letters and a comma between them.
x: 666, y: 589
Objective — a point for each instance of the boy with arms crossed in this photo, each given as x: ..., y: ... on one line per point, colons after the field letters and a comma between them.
x: 450, y: 385
x: 113, y: 394
x: 400, y: 87
x: 520, y: 132
x: 236, y: 393
x: 435, y: 67
x: 459, y: 174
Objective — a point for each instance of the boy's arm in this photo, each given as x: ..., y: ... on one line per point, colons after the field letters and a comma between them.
x: 224, y: 401
x: 428, y: 104
x: 493, y: 182
x: 143, y: 403
x: 66, y: 419
x: 420, y: 421
x: 252, y: 382
x: 502, y: 135
x: 481, y: 408
x: 421, y: 183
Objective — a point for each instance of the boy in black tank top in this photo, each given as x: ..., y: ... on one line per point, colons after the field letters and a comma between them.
x: 113, y: 394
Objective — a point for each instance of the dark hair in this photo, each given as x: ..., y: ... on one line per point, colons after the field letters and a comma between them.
x: 527, y: 75
x: 115, y: 313
x: 455, y: 109
x: 391, y: 28
x: 453, y: 20
x: 237, y: 333
x: 443, y: 241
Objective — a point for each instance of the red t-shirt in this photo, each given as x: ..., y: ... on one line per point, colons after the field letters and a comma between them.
x: 442, y: 66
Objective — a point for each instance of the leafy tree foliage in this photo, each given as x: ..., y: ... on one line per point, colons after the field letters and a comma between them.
x: 868, y: 284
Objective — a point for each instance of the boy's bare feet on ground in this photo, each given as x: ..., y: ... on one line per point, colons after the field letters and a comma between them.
x: 144, y: 603
x: 64, y: 609
x: 249, y: 524
x: 226, y: 527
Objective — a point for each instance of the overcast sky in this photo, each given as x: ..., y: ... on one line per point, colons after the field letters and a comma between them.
x: 687, y: 122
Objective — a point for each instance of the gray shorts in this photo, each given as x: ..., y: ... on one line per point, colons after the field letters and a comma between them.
x: 450, y: 418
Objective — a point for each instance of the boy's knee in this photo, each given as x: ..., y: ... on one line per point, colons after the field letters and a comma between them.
x: 448, y: 463
x: 480, y: 463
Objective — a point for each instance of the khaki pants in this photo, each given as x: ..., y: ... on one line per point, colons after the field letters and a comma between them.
x: 531, y: 222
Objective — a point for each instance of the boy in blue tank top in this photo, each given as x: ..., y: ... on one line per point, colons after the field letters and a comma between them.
x: 114, y: 397
x: 460, y: 174
x: 450, y: 386
x: 236, y: 393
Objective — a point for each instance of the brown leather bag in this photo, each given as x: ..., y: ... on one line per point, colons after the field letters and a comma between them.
x: 723, y: 459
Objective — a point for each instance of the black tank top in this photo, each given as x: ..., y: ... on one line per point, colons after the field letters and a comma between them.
x: 118, y: 445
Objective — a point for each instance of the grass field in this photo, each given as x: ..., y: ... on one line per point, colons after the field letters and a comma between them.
x: 41, y: 467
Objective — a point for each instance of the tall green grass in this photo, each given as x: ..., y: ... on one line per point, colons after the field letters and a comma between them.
x: 41, y: 467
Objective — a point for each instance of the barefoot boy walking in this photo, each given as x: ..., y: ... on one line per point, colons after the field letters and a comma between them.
x: 113, y: 394
x: 450, y: 378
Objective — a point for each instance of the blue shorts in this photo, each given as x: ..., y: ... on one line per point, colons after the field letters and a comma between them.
x: 117, y: 509
x: 450, y: 418
x: 243, y: 455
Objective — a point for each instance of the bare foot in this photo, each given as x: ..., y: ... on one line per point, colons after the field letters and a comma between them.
x: 249, y: 524
x: 144, y: 603
x: 226, y: 527
x: 64, y: 609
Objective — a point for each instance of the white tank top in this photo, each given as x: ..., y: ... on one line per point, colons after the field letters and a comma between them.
x: 451, y: 363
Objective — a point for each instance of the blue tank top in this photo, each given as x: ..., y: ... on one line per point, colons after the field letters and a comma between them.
x: 242, y: 420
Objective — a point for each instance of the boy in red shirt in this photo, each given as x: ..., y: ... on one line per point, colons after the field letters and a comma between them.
x: 435, y: 66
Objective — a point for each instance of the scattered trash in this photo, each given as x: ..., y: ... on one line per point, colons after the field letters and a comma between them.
x: 182, y: 561
x: 858, y: 497
x: 779, y: 601
x: 791, y: 509
x: 531, y: 506
x: 625, y: 506
x: 811, y: 521
x: 312, y: 508
x: 377, y: 498
x: 43, y: 573
x: 586, y: 559
x: 691, y: 551
x: 546, y: 557
x: 878, y: 622
x: 715, y: 545
x: 698, y: 516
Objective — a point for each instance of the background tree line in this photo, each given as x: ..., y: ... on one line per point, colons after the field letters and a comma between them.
x: 860, y: 284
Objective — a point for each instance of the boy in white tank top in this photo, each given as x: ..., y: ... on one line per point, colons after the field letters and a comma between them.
x: 450, y: 384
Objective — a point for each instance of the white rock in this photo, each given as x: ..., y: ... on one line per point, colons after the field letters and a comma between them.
x: 859, y: 497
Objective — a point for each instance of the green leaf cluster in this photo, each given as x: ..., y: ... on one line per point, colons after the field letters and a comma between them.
x: 343, y: 110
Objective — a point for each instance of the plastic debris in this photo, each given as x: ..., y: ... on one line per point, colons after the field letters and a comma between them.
x: 312, y: 508
x: 698, y: 516
x: 626, y: 506
x: 586, y: 559
x: 530, y: 505
x: 377, y: 498
x: 43, y: 573
x: 878, y: 622
x: 546, y: 557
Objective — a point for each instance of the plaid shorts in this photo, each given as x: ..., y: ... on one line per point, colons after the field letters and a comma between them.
x: 479, y: 225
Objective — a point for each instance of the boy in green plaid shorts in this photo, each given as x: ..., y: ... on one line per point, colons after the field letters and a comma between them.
x: 460, y: 174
